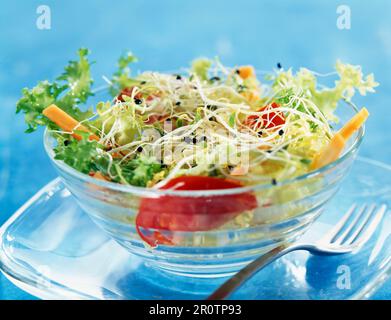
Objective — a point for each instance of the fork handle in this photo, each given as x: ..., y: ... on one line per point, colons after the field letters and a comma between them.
x: 228, y: 287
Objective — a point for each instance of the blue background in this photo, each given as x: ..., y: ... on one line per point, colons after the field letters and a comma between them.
x: 166, y: 35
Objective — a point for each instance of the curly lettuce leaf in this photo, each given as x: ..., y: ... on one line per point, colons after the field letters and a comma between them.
x: 304, y: 82
x: 69, y: 90
x: 138, y: 171
x: 122, y: 76
x: 352, y: 79
x: 200, y: 67
x: 86, y: 156
x: 78, y: 79
x: 33, y: 101
x: 81, y: 155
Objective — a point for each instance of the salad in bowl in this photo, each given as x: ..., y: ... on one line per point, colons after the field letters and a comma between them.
x: 202, y: 170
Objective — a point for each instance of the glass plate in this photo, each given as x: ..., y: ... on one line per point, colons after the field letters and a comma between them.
x: 52, y: 250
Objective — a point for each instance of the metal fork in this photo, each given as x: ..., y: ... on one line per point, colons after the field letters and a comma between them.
x: 350, y: 233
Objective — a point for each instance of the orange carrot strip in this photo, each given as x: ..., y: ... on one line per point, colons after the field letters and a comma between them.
x: 246, y: 72
x: 354, y: 124
x: 333, y: 150
x: 330, y: 153
x: 66, y: 122
x: 98, y: 175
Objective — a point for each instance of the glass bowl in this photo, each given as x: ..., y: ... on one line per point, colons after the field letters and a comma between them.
x: 282, y: 213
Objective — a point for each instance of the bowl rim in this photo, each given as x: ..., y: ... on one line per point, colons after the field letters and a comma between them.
x: 150, y: 192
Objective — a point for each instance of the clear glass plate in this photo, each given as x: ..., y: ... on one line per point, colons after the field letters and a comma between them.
x: 51, y: 249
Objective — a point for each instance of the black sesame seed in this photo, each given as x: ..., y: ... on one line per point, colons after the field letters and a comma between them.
x: 194, y: 140
x: 143, y: 82
x: 281, y: 132
x: 279, y: 66
x: 237, y: 71
x: 138, y: 101
x: 168, y: 120
x: 213, y: 119
x: 139, y: 149
x: 268, y: 151
x: 178, y: 103
x: 215, y: 79
x: 230, y: 167
x: 274, y: 182
x: 66, y: 142
x: 162, y: 164
x: 260, y: 133
x: 178, y: 77
x: 204, y: 138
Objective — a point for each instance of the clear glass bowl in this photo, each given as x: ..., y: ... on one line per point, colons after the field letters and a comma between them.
x: 282, y: 214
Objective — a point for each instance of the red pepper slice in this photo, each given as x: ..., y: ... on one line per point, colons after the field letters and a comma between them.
x: 175, y: 213
x: 270, y: 119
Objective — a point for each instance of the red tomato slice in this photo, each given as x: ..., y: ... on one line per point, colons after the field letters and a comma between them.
x: 128, y: 92
x: 175, y: 213
x: 270, y: 120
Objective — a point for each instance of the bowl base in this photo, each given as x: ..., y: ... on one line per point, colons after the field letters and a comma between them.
x: 53, y: 250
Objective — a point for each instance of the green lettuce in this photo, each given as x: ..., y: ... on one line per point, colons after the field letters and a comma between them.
x: 200, y: 67
x: 122, y: 76
x: 304, y: 83
x: 138, y: 171
x: 69, y: 90
x: 81, y: 155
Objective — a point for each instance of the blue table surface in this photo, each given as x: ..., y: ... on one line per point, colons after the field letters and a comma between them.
x: 166, y: 35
